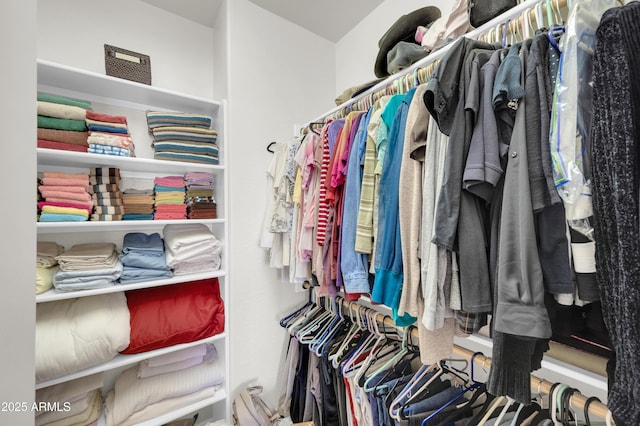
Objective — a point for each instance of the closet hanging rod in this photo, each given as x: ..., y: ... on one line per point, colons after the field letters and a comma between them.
x: 577, y: 401
x: 436, y: 55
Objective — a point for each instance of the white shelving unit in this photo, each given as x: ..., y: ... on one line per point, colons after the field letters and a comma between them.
x: 122, y: 97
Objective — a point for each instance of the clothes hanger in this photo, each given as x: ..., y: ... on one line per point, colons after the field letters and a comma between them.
x: 567, y: 413
x: 587, y: 417
x: 270, y: 147
x: 403, y: 350
x: 539, y: 17
x: 354, y: 362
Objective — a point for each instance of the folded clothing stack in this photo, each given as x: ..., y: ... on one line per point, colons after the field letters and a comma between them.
x: 183, y: 137
x: 143, y: 258
x: 199, y: 195
x: 135, y: 399
x: 105, y: 193
x: 46, y: 264
x: 76, y: 402
x: 109, y: 135
x: 66, y: 197
x: 169, y: 198
x: 138, y: 198
x: 87, y: 266
x: 191, y: 248
x: 61, y: 122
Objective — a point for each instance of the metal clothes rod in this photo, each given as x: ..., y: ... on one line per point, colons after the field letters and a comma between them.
x: 577, y: 400
x: 506, y: 18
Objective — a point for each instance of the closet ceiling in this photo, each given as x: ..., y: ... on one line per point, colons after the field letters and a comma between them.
x: 330, y: 19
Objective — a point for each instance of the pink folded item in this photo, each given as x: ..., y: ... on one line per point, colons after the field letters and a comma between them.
x: 42, y: 204
x: 106, y: 117
x: 87, y: 204
x: 66, y: 196
x: 66, y: 182
x: 65, y: 188
x: 175, y: 181
x: 63, y: 175
x: 167, y: 216
x: 62, y: 146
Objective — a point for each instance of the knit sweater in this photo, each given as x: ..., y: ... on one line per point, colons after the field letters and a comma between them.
x: 616, y: 171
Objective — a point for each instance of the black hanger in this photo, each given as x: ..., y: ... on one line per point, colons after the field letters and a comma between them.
x: 311, y: 126
x: 586, y: 408
x: 269, y: 147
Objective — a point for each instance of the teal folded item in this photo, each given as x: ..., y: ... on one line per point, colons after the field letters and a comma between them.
x: 61, y: 124
x: 137, y: 216
x: 62, y: 217
x: 57, y: 99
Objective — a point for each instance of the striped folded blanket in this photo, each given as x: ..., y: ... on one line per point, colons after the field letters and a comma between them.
x: 187, y: 147
x: 189, y: 158
x: 162, y: 119
x: 106, y: 217
x: 104, y: 187
x: 184, y: 134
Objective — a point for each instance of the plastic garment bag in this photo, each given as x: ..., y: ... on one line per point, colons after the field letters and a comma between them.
x: 571, y: 116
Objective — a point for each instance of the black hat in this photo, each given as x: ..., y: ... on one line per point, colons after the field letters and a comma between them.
x: 404, y: 29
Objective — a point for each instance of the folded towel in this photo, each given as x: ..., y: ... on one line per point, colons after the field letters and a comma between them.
x: 88, y: 208
x: 63, y: 175
x: 47, y: 97
x: 189, y: 158
x: 186, y: 147
x: 159, y: 119
x: 106, y: 201
x: 92, y: 115
x: 65, y: 201
x: 65, y: 196
x: 184, y: 134
x: 66, y: 188
x: 105, y: 123
x: 136, y: 216
x: 70, y: 112
x: 104, y: 171
x: 63, y: 146
x: 44, y: 278
x: 50, y: 217
x: 108, y: 150
x: 106, y: 128
x: 108, y: 210
x: 65, y: 210
x: 99, y: 180
x: 67, y: 136
x: 106, y: 217
x: 61, y: 124
x: 104, y: 187
x: 53, y: 181
x: 110, y: 139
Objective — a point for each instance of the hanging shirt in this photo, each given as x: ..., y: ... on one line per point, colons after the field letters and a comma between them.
x: 329, y: 135
x: 389, y: 273
x: 354, y: 265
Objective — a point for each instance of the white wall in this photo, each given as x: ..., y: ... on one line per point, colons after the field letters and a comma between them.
x: 279, y: 74
x: 354, y: 69
x: 73, y: 32
x: 17, y: 230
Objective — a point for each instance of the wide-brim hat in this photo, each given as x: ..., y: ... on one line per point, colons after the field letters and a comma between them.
x: 404, y: 29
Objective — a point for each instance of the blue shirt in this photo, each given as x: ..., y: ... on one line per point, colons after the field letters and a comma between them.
x: 389, y: 274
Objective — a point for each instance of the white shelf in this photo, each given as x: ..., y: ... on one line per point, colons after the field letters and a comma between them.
x: 98, y: 87
x: 58, y: 157
x: 122, y: 360
x: 53, y: 294
x: 114, y: 225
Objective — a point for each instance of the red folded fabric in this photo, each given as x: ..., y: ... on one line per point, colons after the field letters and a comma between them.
x: 41, y: 204
x: 42, y: 143
x: 91, y: 115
